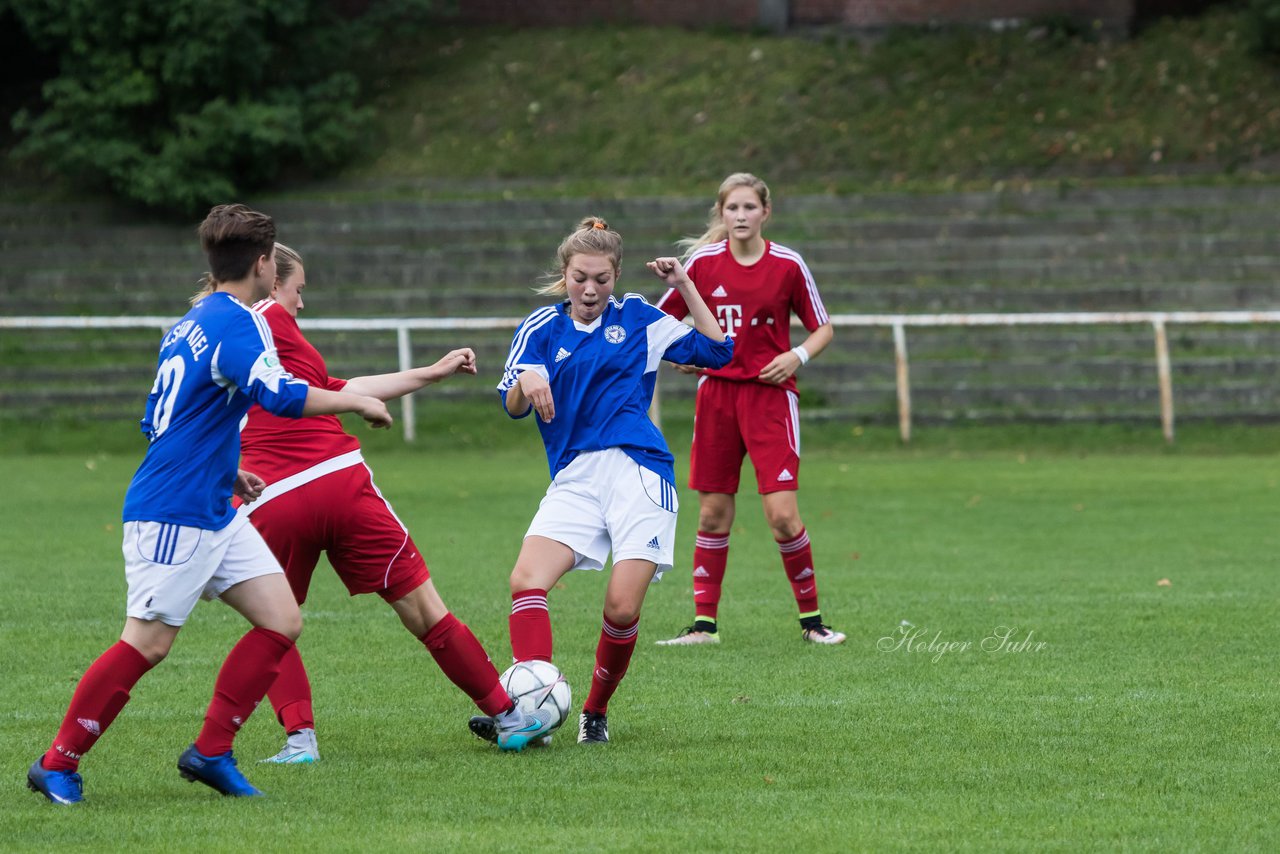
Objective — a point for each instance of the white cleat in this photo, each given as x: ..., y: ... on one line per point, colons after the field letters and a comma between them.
x: 823, y: 635
x: 688, y: 637
x: 299, y: 749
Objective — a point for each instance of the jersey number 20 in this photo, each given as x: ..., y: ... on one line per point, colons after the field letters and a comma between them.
x: 168, y: 381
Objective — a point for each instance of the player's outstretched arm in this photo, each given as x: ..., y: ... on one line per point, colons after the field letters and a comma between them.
x: 324, y: 402
x: 400, y: 383
x: 671, y: 271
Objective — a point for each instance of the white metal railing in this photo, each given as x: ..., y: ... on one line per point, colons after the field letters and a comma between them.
x: 898, y: 323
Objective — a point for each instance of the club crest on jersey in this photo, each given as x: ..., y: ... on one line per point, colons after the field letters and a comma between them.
x: 615, y: 334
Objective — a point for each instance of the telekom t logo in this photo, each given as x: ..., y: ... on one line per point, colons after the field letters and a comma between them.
x: 730, y: 317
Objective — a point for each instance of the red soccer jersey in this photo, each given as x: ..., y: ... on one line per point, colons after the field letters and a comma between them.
x: 274, y: 448
x: 753, y: 303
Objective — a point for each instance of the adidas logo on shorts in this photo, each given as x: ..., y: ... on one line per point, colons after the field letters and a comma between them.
x: 653, y: 544
x: 784, y: 476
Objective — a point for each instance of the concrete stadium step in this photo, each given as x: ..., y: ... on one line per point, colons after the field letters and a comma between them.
x: 978, y: 251
x: 1050, y: 249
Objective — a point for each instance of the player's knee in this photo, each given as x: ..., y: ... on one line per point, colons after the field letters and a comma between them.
x: 786, y: 528
x: 289, y: 625
x: 620, y: 612
x: 153, y: 653
x: 715, y: 521
x: 784, y: 523
x: 522, y: 578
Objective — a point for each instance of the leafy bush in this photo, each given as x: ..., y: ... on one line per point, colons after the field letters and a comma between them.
x: 1264, y: 17
x: 178, y: 104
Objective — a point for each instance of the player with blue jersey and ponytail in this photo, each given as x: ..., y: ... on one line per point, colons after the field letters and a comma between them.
x: 587, y: 367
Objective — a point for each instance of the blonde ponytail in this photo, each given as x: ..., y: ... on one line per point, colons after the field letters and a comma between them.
x: 207, y: 286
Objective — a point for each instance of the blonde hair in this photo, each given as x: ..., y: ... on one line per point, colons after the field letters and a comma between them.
x: 287, y: 260
x: 592, y: 237
x: 716, y: 229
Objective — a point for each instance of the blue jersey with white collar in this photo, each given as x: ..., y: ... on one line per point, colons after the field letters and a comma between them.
x: 602, y: 377
x: 213, y: 364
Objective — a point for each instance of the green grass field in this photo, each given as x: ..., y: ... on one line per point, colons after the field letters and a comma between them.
x: 1146, y: 720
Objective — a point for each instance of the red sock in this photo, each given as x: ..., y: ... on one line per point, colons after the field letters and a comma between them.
x: 290, y: 694
x: 100, y: 695
x: 710, y: 554
x: 613, y: 655
x: 530, y: 623
x: 797, y: 562
x: 248, y: 672
x: 467, y: 665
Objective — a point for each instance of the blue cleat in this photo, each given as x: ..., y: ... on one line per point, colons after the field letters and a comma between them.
x: 61, y: 787
x: 485, y: 727
x: 217, y: 772
x: 535, y: 726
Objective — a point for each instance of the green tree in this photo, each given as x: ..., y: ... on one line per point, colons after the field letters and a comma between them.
x: 1264, y: 30
x: 178, y: 104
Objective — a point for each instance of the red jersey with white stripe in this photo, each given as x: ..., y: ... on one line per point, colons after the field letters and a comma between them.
x: 274, y: 448
x: 753, y: 304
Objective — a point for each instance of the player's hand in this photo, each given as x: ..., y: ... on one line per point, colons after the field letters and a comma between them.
x: 462, y: 360
x: 687, y: 369
x: 669, y: 270
x: 538, y: 392
x: 375, y: 412
x: 248, y: 487
x: 781, y: 368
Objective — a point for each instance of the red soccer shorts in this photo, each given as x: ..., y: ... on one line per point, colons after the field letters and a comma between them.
x: 343, y: 514
x: 733, y: 419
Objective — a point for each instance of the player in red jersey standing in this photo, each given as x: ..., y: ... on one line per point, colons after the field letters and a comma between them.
x: 750, y: 406
x: 320, y: 496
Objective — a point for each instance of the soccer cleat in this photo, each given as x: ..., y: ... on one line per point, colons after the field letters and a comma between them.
x: 822, y: 634
x: 688, y: 637
x: 60, y: 787
x: 217, y: 772
x: 486, y: 728
x: 533, y: 728
x: 299, y: 749
x: 593, y: 728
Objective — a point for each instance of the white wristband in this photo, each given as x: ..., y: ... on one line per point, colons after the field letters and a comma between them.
x: 802, y: 353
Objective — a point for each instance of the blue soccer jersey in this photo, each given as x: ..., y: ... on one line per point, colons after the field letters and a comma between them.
x: 213, y: 364
x: 602, y: 377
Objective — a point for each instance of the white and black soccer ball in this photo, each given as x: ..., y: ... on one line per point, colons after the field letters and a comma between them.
x: 539, y: 685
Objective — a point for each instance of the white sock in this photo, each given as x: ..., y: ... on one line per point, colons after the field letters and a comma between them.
x: 511, y: 717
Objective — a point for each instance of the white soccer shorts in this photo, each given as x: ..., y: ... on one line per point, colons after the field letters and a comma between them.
x: 604, y: 502
x: 170, y: 567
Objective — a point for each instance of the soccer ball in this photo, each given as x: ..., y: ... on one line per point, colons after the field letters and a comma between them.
x: 538, y: 685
